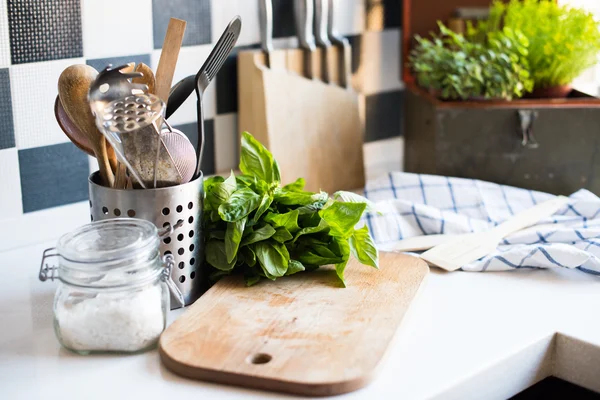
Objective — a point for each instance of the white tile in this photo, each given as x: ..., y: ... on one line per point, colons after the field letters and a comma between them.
x: 116, y: 28
x: 349, y: 16
x: 4, y: 38
x: 226, y: 142
x: 10, y: 200
x: 93, y: 164
x: 34, y: 89
x: 223, y: 11
x: 379, y: 69
x: 190, y: 60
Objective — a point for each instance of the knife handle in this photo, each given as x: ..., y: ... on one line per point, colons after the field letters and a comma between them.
x: 345, y: 51
x: 303, y: 13
x: 321, y: 36
x: 266, y: 27
x: 530, y: 216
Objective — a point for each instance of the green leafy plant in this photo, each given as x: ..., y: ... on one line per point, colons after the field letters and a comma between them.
x: 563, y: 41
x: 491, y: 65
x: 255, y: 226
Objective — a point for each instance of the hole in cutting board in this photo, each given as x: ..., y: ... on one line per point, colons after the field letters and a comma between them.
x: 260, y: 358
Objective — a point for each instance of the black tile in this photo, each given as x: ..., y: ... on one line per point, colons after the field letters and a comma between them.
x: 356, y: 44
x: 392, y: 13
x: 100, y: 63
x: 42, y: 30
x: 227, y: 79
x: 208, y: 158
x: 52, y: 176
x: 384, y: 115
x: 195, y: 12
x: 283, y: 19
x: 7, y: 131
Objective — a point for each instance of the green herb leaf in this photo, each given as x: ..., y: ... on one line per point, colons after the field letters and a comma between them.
x: 258, y: 235
x: 252, y: 280
x: 216, y: 235
x: 299, y: 198
x: 217, y: 256
x: 363, y: 248
x: 219, y: 192
x: 296, y: 186
x: 249, y: 255
x: 308, y: 257
x: 282, y: 235
x: 256, y: 160
x: 322, y: 226
x: 288, y: 220
x: 342, y: 217
x: 349, y: 197
x: 339, y: 270
x: 271, y: 260
x: 294, y: 267
x: 265, y: 203
x: 241, y: 203
x: 233, y: 236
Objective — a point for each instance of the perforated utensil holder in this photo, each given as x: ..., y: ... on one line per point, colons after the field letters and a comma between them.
x: 179, y: 206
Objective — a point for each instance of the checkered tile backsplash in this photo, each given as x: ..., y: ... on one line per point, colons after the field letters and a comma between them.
x: 40, y: 169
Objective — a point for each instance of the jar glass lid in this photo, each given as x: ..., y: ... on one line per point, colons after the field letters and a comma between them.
x: 108, y: 240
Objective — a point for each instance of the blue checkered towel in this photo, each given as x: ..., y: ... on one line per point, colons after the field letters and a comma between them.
x: 414, y: 205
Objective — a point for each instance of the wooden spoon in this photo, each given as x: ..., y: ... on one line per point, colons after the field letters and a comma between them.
x: 148, y: 78
x: 77, y: 137
x: 73, y: 86
x: 168, y: 57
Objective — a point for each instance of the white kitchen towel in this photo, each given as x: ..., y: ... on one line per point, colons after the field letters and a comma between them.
x: 413, y: 205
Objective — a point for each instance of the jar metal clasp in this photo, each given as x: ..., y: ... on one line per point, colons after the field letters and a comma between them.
x: 169, y: 263
x: 47, y: 271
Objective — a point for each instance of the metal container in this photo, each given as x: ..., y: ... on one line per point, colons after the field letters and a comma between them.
x: 180, y: 207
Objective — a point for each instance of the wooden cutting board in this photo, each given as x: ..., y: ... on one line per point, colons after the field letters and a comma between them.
x: 303, y: 334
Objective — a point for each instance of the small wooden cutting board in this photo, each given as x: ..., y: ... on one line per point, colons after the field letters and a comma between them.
x: 303, y: 334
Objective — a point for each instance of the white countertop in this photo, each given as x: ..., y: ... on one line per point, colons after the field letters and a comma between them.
x: 468, y: 335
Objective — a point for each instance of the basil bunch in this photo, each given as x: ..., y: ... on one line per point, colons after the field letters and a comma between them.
x: 254, y: 225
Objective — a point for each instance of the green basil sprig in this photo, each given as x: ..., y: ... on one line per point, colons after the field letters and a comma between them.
x: 255, y: 226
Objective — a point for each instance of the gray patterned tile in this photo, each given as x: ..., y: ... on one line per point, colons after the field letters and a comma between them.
x: 42, y: 30
x: 7, y: 131
x: 100, y: 63
x: 53, y: 176
x: 195, y: 12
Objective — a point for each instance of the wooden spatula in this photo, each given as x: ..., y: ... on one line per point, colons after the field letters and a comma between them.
x: 464, y: 249
x: 168, y: 57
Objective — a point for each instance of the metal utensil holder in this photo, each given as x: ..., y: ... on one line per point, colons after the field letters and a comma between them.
x: 180, y: 204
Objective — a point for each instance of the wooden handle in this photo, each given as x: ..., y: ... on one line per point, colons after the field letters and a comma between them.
x: 168, y: 57
x: 531, y: 216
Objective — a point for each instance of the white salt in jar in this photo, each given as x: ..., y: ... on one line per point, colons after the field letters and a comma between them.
x: 113, y: 294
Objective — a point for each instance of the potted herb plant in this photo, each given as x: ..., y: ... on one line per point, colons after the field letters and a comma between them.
x: 563, y: 41
x: 485, y: 65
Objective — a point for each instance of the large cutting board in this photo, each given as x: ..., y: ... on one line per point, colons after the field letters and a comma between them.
x: 303, y: 334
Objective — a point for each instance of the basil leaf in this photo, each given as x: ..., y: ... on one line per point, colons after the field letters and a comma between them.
x: 216, y: 275
x: 233, y: 236
x: 216, y: 255
x: 259, y: 235
x: 363, y: 248
x: 282, y: 250
x: 271, y: 260
x: 241, y: 203
x: 249, y: 255
x: 342, y: 217
x: 308, y: 257
x: 312, y: 229
x: 245, y: 180
x: 288, y: 220
x: 323, y: 251
x: 219, y: 192
x: 294, y: 267
x: 349, y: 197
x: 216, y: 235
x: 282, y: 235
x: 265, y: 203
x: 295, y: 186
x: 339, y: 270
x: 341, y: 246
x: 256, y: 160
x: 252, y: 280
x: 298, y: 198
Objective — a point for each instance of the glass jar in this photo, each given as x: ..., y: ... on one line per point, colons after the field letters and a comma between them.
x: 113, y: 294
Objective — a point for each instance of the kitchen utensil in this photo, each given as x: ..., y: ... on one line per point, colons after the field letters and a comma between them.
x: 421, y: 243
x: 303, y: 14
x: 462, y: 250
x: 321, y: 122
x: 132, y: 125
x: 213, y: 63
x: 301, y: 334
x: 168, y: 57
x: 266, y: 28
x: 73, y: 85
x: 177, y: 206
x: 147, y: 78
x: 74, y: 134
x: 322, y: 38
x: 344, y: 49
x: 182, y: 151
x: 112, y: 84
